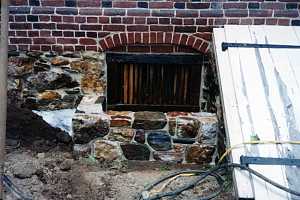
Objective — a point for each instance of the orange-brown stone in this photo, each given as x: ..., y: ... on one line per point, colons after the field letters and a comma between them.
x: 49, y: 95
x: 57, y: 61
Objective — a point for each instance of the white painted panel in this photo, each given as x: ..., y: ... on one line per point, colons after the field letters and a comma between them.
x: 231, y: 115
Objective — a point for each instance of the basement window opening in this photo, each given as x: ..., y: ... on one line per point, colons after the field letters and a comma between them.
x: 155, y: 82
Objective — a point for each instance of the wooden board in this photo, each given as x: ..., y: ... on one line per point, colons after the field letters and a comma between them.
x: 260, y: 90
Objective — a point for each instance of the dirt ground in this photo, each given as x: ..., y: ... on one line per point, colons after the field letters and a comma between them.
x: 41, y: 163
x: 55, y: 174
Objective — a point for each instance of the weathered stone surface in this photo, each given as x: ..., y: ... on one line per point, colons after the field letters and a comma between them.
x: 49, y: 81
x: 19, y: 66
x: 92, y: 83
x: 149, y: 120
x: 177, y: 114
x: 107, y: 150
x: 58, y: 61
x: 159, y: 140
x: 70, y: 54
x: 140, y: 136
x: 90, y: 104
x: 24, y: 169
x: 120, y: 134
x: 75, y: 90
x: 135, y: 151
x: 120, y: 119
x: 87, y: 127
x: 174, y: 155
x: 199, y: 153
x: 208, y: 129
x: 92, y: 55
x: 66, y: 165
x: 82, y: 150
x: 49, y: 95
x: 40, y: 67
x: 34, y: 54
x: 85, y: 66
x: 187, y: 127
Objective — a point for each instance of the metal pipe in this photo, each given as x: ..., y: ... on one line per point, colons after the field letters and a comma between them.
x: 3, y: 87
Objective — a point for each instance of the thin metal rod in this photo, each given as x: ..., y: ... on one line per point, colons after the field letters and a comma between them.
x: 3, y: 87
x: 226, y: 45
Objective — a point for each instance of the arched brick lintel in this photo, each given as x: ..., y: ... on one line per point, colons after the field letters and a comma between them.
x: 127, y: 38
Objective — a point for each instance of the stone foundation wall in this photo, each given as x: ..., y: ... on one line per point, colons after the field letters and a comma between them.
x: 48, y: 82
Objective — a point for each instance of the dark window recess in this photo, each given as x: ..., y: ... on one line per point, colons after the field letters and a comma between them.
x: 142, y: 83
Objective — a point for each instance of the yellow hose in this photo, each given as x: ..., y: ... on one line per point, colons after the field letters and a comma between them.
x: 254, y: 143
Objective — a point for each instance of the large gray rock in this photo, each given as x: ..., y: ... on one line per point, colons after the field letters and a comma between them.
x: 106, y: 150
x: 136, y: 151
x: 149, y: 120
x: 24, y: 169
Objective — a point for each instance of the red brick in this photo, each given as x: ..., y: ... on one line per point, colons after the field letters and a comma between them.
x: 272, y: 5
x: 141, y: 28
x: 117, y: 40
x: 236, y: 13
x: 161, y: 28
x: 137, y: 38
x: 206, y: 36
x: 130, y: 37
x: 91, y: 34
x: 235, y: 5
x: 90, y: 11
x: 163, y: 13
x: 183, y: 39
x: 87, y: 41
x: 79, y: 48
x: 57, y: 33
x: 220, y: 22
x: 145, y: 38
x: 165, y: 4
x: 140, y: 20
x: 56, y: 18
x: 54, y: 3
x: 92, y: 20
x: 20, y: 40
x: 271, y: 21
x: 187, y: 13
x: 20, y: 26
x: 127, y: 20
x: 103, y: 34
x: 68, y: 48
x: 91, y: 48
x: 124, y: 4
x: 33, y: 33
x: 176, y: 38
x: 260, y: 13
x: 185, y: 49
x: 45, y: 48
x: 23, y: 47
x: 103, y: 20
x: 233, y: 21
x: 91, y: 27
x: 211, y: 13
x: 197, y: 44
x: 44, y: 18
x: 18, y: 2
x: 177, y: 21
x: 190, y: 41
x: 203, y: 47
x: 20, y: 18
x: 80, y: 19
x: 69, y: 19
x: 152, y: 20
x: 21, y: 33
x: 68, y: 34
x: 113, y: 27
x: 11, y: 33
x: 160, y: 37
x: 103, y: 45
x: 114, y: 12
x: 188, y: 21
x: 42, y: 10
x: 185, y: 29
x: 286, y: 13
x: 201, y: 21
x: 164, y: 20
x: 123, y: 38
x: 43, y: 40
x: 115, y: 20
x: 88, y: 3
x: 168, y: 38
x: 246, y: 21
x: 153, y: 37
x: 198, y: 5
x: 67, y: 41
x: 138, y: 12
x: 57, y: 48
x: 67, y: 26
x: 109, y: 42
x: 35, y: 47
x: 259, y: 21
x: 284, y: 22
x: 45, y: 33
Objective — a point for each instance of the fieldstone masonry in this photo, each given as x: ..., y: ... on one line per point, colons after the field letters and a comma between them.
x: 48, y: 81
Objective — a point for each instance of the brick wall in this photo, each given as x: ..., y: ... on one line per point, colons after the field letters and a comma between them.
x: 136, y: 26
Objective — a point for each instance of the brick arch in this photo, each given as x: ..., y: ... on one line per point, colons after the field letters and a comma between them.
x: 147, y: 38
